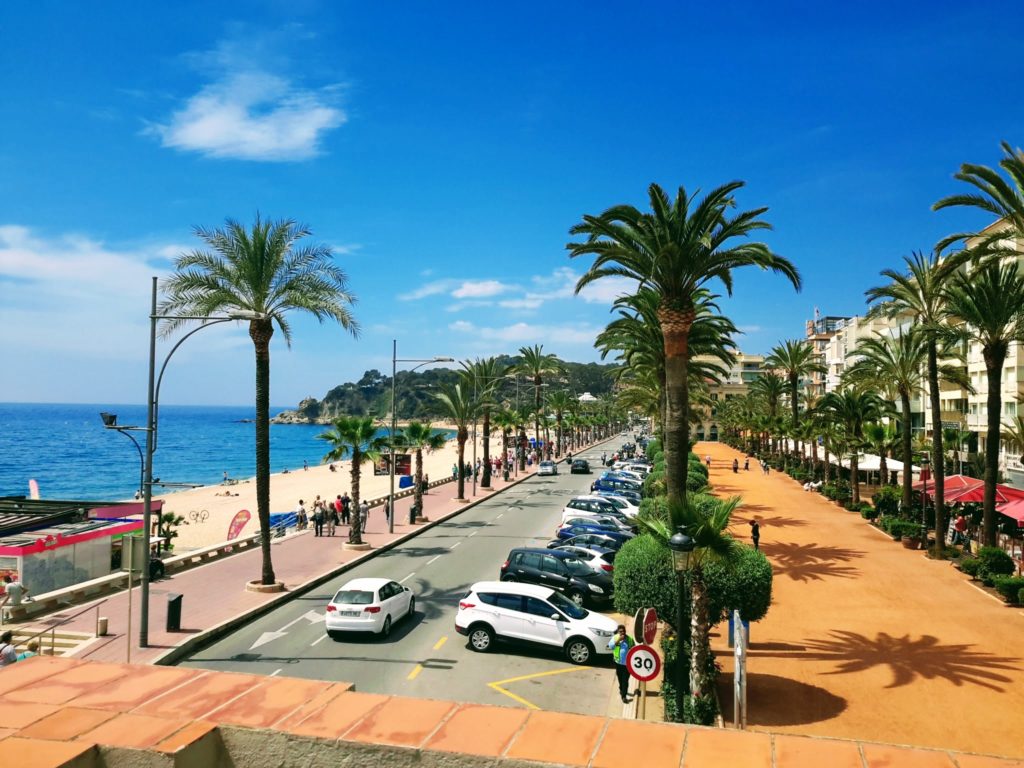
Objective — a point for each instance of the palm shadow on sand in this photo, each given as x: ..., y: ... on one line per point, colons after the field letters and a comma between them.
x: 774, y: 701
x: 811, y: 562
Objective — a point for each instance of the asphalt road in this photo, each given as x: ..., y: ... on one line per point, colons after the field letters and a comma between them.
x: 424, y: 656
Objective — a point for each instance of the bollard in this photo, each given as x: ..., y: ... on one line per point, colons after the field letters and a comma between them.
x: 173, y: 612
x: 101, y: 626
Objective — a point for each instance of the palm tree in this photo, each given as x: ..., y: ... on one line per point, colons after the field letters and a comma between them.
x: 560, y: 402
x: 484, y: 375
x: 770, y: 387
x: 990, y: 301
x: 852, y: 408
x: 797, y: 360
x: 506, y: 421
x: 416, y: 436
x: 265, y: 270
x: 460, y: 406
x: 958, y: 435
x: 354, y: 436
x: 675, y: 251
x: 881, y: 438
x: 535, y: 365
x: 919, y: 296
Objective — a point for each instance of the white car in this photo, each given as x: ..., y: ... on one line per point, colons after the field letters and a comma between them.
x: 368, y: 605
x: 624, y: 505
x: 527, y: 613
x: 590, y: 503
x: 600, y: 560
x: 547, y: 468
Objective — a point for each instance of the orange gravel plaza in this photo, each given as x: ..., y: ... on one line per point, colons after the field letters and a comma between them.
x: 866, y: 639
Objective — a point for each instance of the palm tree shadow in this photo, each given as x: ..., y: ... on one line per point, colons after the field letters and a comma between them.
x: 778, y: 521
x: 908, y: 659
x: 776, y: 701
x: 811, y: 562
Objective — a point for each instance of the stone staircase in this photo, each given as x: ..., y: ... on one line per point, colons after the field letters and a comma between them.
x: 63, y: 642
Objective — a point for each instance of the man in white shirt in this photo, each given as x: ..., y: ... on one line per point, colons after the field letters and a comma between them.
x: 14, y: 593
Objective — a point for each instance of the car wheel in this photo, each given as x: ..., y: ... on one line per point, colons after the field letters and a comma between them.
x: 576, y: 597
x: 412, y: 606
x: 578, y: 651
x: 386, y: 629
x: 334, y: 634
x: 481, y: 638
x: 509, y: 578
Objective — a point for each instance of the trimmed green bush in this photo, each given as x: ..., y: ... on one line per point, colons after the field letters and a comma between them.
x: 995, y: 562
x: 1009, y: 587
x: 695, y: 481
x: 644, y: 578
x: 887, y: 500
x: 654, y: 506
x: 746, y: 586
x: 903, y: 528
x: 970, y: 566
x: 1020, y: 597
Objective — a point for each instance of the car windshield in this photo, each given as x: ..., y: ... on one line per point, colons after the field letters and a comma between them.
x: 353, y: 597
x: 616, y: 503
x: 576, y: 567
x: 567, y: 606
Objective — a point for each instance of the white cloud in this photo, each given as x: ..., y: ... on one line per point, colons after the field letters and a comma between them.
x: 750, y: 329
x: 250, y: 113
x: 530, y: 302
x: 429, y: 289
x: 525, y: 332
x: 478, y: 289
x: 607, y: 290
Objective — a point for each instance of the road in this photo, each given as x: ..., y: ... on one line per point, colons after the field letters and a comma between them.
x: 424, y: 656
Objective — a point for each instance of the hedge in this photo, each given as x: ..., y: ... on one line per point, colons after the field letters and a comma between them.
x: 1010, y: 588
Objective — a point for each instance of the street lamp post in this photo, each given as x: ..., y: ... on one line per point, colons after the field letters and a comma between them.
x: 110, y: 422
x: 152, y: 409
x: 394, y: 416
x: 682, y: 547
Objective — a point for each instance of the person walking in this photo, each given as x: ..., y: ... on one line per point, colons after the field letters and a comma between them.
x: 387, y: 512
x: 330, y: 518
x: 707, y: 461
x: 746, y: 464
x: 346, y: 509
x: 620, y: 645
x: 755, y: 534
x: 300, y: 516
x: 364, y: 514
x: 735, y: 465
x: 318, y: 519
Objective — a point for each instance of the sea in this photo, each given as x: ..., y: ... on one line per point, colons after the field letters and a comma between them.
x: 67, y: 451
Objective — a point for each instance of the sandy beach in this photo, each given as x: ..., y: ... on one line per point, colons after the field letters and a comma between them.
x: 208, y: 511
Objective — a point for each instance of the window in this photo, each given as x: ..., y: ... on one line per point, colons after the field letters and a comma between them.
x: 509, y: 602
x: 553, y: 565
x: 530, y: 560
x: 353, y: 597
x: 536, y: 607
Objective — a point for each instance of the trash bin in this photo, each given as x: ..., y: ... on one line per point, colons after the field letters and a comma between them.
x: 173, y: 612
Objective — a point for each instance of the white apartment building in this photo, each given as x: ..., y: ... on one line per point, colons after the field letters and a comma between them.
x: 744, y: 370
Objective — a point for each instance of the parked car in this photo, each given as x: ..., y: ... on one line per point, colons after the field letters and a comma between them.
x: 534, y: 614
x: 626, y: 506
x: 368, y: 605
x: 616, y: 522
x: 580, y: 467
x: 598, y: 558
x: 568, y: 531
x: 594, y: 504
x: 547, y: 468
x: 558, y: 570
x: 630, y: 496
x: 589, y: 540
x: 614, y: 484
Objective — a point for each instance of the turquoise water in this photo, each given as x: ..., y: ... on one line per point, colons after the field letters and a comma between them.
x: 68, y: 452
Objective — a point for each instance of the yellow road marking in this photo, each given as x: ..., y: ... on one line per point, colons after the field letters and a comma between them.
x: 440, y: 642
x: 415, y: 671
x: 497, y: 684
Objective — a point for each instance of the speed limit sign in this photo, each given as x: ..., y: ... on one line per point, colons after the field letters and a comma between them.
x: 643, y: 662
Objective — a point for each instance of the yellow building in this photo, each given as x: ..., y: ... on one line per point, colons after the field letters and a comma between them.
x: 744, y: 370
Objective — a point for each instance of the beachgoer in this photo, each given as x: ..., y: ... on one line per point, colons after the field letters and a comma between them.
x: 8, y: 653
x: 318, y: 518
x: 331, y: 467
x: 225, y: 475
x: 755, y: 533
x: 32, y: 650
x: 620, y: 645
x: 14, y: 593
x: 301, y: 520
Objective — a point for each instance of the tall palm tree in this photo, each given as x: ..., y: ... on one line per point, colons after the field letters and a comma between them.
x: 770, y: 387
x: 990, y: 301
x: 460, y: 406
x: 505, y: 421
x: 484, y: 375
x: 797, y: 360
x: 919, y: 295
x: 852, y: 408
x: 560, y: 402
x: 263, y: 269
x: 881, y: 438
x: 676, y: 249
x: 355, y: 437
x: 536, y: 365
x: 957, y: 436
x: 417, y: 436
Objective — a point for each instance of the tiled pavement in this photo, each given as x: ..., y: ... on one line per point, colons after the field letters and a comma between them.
x: 69, y: 712
x: 214, y: 593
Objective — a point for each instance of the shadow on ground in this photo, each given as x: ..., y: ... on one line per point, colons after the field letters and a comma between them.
x: 810, y: 562
x: 774, y: 701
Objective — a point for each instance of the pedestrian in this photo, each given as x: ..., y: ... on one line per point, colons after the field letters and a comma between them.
x: 330, y: 517
x: 707, y: 461
x: 32, y: 650
x: 8, y: 653
x: 14, y: 593
x: 755, y: 533
x: 455, y: 471
x: 346, y: 509
x: 735, y: 465
x: 767, y: 468
x: 364, y: 514
x: 305, y: 465
x: 746, y: 464
x: 301, y: 521
x: 620, y: 645
x: 318, y: 519
x: 426, y: 483
x: 225, y: 476
x: 387, y: 512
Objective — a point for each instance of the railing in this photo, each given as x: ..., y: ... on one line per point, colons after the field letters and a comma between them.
x: 52, y: 629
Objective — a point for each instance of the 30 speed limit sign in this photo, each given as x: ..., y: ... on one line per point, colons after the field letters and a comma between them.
x: 643, y: 662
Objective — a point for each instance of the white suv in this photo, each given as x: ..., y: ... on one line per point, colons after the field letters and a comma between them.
x: 528, y: 613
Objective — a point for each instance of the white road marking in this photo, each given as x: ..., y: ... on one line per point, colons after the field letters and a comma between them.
x: 318, y: 640
x: 453, y: 546
x: 499, y: 515
x: 472, y: 534
x: 276, y: 671
x: 407, y: 577
x: 432, y: 559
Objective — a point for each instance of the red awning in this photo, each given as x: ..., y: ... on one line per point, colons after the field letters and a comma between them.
x: 1014, y: 510
x: 1004, y: 494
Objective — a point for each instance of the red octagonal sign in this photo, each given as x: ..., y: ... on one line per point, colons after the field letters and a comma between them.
x: 650, y: 625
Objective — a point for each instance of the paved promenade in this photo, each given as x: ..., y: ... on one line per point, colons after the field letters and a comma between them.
x: 215, y: 593
x: 866, y: 639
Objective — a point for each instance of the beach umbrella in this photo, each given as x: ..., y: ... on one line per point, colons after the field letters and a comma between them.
x: 1004, y: 494
x: 1013, y: 509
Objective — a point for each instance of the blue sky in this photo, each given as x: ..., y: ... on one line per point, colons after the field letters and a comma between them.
x: 446, y: 149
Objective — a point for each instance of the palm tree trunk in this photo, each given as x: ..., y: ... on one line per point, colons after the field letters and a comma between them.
x: 260, y: 332
x: 698, y: 634
x: 994, y: 366
x: 536, y: 412
x: 417, y: 493
x: 355, y: 531
x: 461, y: 437
x: 907, y: 438
x: 938, y: 466
x: 794, y: 393
x: 675, y: 329
x: 883, y: 469
x: 485, y: 481
x: 855, y: 474
x: 521, y: 451
x: 558, y: 436
x: 828, y: 460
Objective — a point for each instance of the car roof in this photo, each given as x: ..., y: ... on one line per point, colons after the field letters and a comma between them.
x: 541, y: 551
x: 366, y: 583
x: 515, y: 588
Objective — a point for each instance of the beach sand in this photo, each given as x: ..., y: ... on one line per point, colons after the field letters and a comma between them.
x: 209, y: 512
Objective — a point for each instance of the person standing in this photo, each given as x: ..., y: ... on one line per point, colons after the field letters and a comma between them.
x: 301, y: 521
x: 364, y: 514
x: 755, y: 533
x: 8, y: 653
x: 707, y: 461
x: 339, y: 509
x: 318, y: 519
x: 330, y: 518
x: 735, y: 465
x: 746, y: 464
x: 14, y: 593
x: 620, y: 645
x: 346, y: 509
x: 387, y: 512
